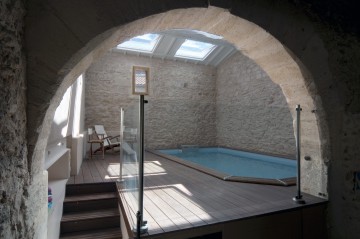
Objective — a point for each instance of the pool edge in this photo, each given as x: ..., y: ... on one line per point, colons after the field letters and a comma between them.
x: 226, y: 177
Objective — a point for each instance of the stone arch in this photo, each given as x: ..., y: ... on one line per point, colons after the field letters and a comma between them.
x: 282, y: 66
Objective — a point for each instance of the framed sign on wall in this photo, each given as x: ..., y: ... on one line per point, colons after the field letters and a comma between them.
x: 140, y: 80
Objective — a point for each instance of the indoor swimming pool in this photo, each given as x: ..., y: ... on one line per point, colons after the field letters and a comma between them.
x: 235, y: 165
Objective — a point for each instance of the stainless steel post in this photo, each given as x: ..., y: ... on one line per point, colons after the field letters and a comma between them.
x: 138, y: 225
x: 298, y: 198
x: 143, y: 228
x: 121, y: 144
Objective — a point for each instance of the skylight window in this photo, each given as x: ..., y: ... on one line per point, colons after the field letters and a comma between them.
x: 195, y: 50
x: 209, y: 35
x: 144, y: 43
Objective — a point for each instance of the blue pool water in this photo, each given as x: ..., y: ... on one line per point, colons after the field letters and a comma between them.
x: 238, y: 163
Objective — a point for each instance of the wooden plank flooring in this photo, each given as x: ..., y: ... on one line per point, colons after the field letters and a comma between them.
x: 177, y: 197
x: 98, y: 170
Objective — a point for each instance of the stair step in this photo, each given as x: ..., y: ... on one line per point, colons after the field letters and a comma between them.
x: 90, y: 220
x: 111, y: 233
x: 89, y: 188
x: 83, y: 202
x: 90, y: 215
x: 88, y: 197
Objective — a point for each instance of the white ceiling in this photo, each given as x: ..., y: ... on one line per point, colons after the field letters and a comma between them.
x: 171, y: 40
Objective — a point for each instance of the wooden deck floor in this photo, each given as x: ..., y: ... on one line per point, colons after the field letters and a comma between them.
x: 98, y: 170
x: 177, y: 197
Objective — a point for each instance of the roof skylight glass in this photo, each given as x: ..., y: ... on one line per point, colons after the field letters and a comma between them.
x: 209, y: 35
x: 145, y: 43
x: 195, y: 50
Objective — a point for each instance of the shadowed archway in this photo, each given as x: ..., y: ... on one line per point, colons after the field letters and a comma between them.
x: 281, y: 65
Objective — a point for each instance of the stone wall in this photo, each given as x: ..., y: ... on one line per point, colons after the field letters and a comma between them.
x: 248, y: 111
x: 251, y: 111
x: 181, y: 107
x: 344, y: 58
x: 19, y: 208
x: 13, y: 151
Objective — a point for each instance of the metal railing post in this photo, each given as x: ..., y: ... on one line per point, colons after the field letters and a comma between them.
x: 298, y: 198
x: 138, y: 225
x: 143, y: 226
x: 121, y: 144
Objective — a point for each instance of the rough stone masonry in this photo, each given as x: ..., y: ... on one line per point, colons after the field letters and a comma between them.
x: 14, y: 176
x: 234, y: 105
x: 23, y: 198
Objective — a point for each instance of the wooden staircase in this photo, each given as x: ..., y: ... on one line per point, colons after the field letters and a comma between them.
x: 90, y: 211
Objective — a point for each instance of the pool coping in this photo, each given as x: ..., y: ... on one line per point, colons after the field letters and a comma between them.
x: 224, y: 176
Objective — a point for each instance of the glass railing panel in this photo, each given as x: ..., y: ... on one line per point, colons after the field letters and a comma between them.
x: 130, y: 152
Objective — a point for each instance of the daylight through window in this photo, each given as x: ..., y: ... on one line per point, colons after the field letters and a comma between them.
x: 194, y: 50
x: 145, y: 43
